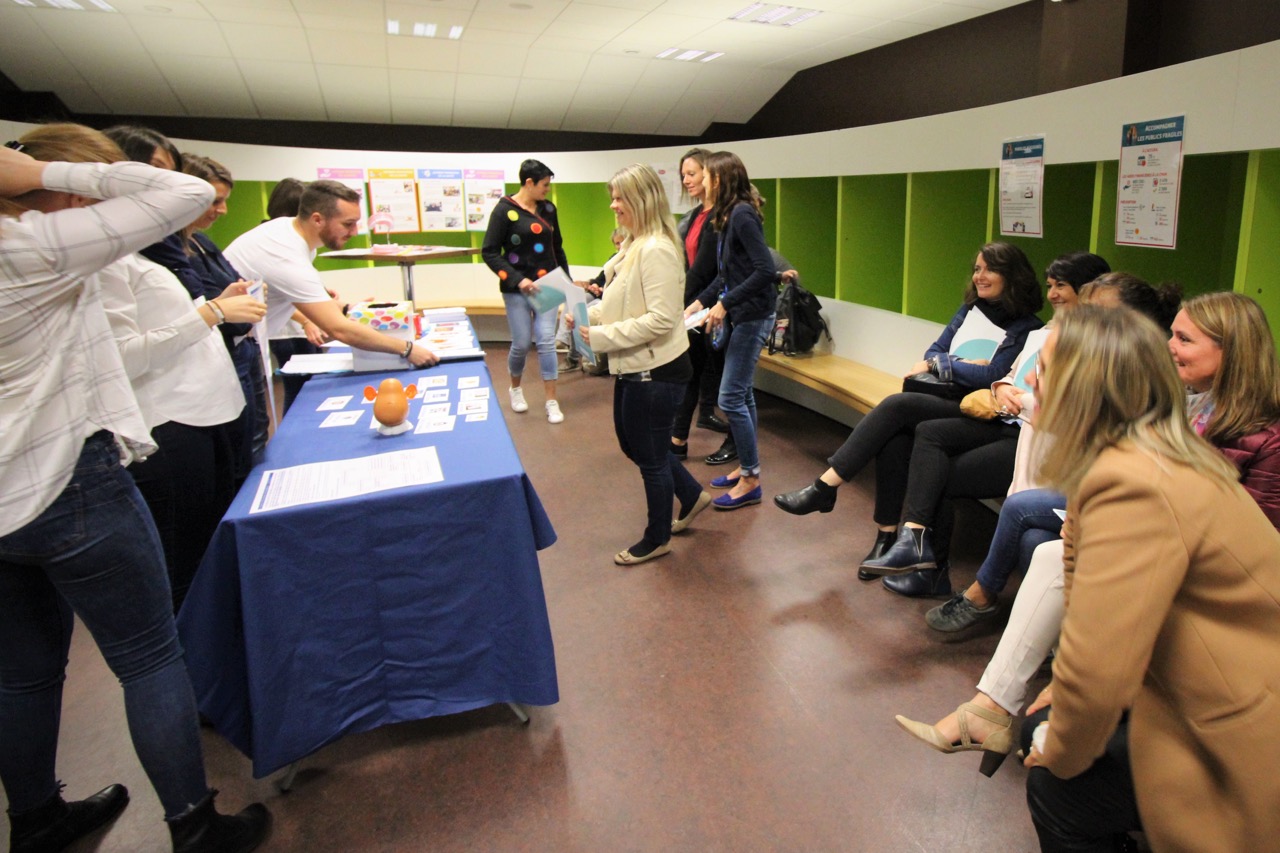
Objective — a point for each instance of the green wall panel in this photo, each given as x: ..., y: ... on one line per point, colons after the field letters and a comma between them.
x: 1208, y: 226
x: 246, y: 208
x: 585, y: 220
x: 768, y: 189
x: 1258, y: 267
x: 873, y: 227
x: 947, y: 222
x: 1068, y: 212
x: 806, y: 213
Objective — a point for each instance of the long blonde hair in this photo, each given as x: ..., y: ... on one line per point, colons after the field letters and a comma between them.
x: 1110, y: 379
x: 1246, y: 389
x: 68, y: 143
x: 640, y: 188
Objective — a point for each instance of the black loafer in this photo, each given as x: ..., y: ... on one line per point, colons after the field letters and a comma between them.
x: 727, y: 453
x: 713, y: 423
x: 924, y: 583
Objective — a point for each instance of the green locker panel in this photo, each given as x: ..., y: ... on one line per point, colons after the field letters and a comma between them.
x: 947, y: 221
x: 768, y: 189
x: 807, y: 215
x: 1258, y: 264
x: 246, y: 208
x: 585, y: 220
x: 1068, y: 216
x: 1209, y: 210
x: 873, y: 229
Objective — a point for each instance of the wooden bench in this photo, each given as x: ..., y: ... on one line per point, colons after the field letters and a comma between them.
x: 475, y: 307
x: 847, y: 382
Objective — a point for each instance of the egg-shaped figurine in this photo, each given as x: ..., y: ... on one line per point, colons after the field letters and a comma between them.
x: 391, y: 406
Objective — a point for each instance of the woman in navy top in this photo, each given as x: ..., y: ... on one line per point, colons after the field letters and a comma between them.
x: 741, y: 300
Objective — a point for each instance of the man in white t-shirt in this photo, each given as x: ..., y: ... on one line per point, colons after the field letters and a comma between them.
x: 280, y: 252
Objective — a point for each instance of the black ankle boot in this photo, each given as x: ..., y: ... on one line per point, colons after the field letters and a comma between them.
x: 727, y: 453
x: 200, y: 829
x: 910, y: 551
x: 56, y: 824
x: 923, y: 583
x: 884, y: 541
x: 816, y: 498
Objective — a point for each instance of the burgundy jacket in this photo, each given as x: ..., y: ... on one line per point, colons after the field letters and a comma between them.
x: 1258, y: 458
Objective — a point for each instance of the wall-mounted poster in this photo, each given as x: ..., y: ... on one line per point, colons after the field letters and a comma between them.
x: 1022, y: 187
x: 353, y: 178
x: 1150, y: 183
x: 395, y: 191
x: 440, y: 195
x: 670, y: 178
x: 482, y: 189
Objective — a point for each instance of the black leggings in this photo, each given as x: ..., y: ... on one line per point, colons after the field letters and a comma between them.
x: 886, y: 435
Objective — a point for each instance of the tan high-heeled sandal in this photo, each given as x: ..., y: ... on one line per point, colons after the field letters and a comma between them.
x: 995, y: 748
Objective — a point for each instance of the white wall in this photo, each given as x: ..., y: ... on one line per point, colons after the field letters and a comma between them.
x: 1229, y: 101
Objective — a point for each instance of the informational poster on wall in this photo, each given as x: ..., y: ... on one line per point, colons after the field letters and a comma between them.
x: 1150, y: 183
x: 483, y: 188
x: 670, y: 177
x: 440, y: 195
x: 353, y: 178
x: 1022, y: 187
x: 395, y: 192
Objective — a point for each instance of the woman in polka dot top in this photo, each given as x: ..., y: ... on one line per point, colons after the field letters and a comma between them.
x: 522, y: 244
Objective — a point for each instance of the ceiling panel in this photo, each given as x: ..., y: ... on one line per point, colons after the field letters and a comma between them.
x: 633, y: 120
x: 428, y: 85
x: 254, y: 15
x: 30, y: 58
x: 423, y: 54
x: 589, y: 119
x: 473, y: 59
x: 188, y: 9
x: 83, y: 99
x: 282, y: 44
x: 486, y: 87
x: 481, y: 113
x: 438, y: 111
x: 616, y: 70
x: 544, y: 65
x: 162, y: 34
x: 346, y: 23
x: 334, y: 47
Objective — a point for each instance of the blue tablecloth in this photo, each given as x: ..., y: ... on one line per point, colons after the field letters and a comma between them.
x: 307, y: 623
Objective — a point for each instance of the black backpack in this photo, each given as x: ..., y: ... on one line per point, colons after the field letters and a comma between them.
x: 798, y: 324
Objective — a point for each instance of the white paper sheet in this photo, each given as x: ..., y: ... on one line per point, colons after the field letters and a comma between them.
x: 337, y: 419
x: 325, y: 362
x: 334, y: 404
x: 318, y: 482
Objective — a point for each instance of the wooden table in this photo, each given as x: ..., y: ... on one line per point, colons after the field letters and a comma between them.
x: 406, y: 258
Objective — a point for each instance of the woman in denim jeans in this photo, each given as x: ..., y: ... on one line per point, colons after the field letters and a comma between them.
x: 638, y: 322
x: 75, y: 536
x: 742, y: 299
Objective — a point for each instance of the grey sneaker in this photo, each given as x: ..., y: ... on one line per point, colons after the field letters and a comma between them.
x: 959, y: 613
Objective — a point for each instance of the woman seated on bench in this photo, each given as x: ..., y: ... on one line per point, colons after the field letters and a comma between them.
x: 976, y: 348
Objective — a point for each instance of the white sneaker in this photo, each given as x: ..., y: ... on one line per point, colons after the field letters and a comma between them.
x: 554, y: 415
x: 517, y: 400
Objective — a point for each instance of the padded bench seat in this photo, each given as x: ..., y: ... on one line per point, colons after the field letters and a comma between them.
x: 847, y: 382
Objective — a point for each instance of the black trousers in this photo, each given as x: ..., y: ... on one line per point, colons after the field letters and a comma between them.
x: 886, y: 435
x: 188, y: 484
x: 284, y: 349
x: 701, y: 392
x: 1090, y: 813
x: 956, y: 458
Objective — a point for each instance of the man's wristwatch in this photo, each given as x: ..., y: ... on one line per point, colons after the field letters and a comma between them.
x: 933, y: 365
x: 408, y: 348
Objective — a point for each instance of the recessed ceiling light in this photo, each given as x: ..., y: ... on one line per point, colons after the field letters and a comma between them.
x: 668, y: 52
x: 711, y: 56
x: 393, y: 27
x: 743, y: 13
x: 424, y: 30
x: 774, y: 15
x: 455, y: 32
x: 24, y: 2
x: 70, y: 5
x: 801, y: 18
x: 688, y: 55
x: 103, y: 5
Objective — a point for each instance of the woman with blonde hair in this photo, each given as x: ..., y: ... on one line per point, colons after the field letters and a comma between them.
x: 1173, y: 596
x: 638, y: 323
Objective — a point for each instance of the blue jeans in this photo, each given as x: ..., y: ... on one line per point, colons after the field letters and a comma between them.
x: 642, y: 415
x: 95, y: 553
x: 737, y: 388
x: 527, y: 326
x: 1027, y: 521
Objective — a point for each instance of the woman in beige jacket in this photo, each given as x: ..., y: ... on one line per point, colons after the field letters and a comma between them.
x: 639, y: 323
x: 1172, y: 583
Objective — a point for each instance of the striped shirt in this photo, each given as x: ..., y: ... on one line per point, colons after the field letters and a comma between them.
x: 61, y: 377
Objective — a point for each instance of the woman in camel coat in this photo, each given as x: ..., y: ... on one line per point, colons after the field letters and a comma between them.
x: 1173, y: 596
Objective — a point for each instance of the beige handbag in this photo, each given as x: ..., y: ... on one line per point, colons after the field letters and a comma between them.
x: 980, y: 404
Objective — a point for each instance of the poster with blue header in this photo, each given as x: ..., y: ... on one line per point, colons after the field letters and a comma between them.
x: 1150, y: 183
x: 1022, y: 187
x: 440, y: 196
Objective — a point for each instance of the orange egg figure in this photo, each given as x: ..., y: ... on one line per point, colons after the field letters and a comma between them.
x: 391, y: 401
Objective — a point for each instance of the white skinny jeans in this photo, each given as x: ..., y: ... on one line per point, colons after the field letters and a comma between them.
x: 1033, y: 628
